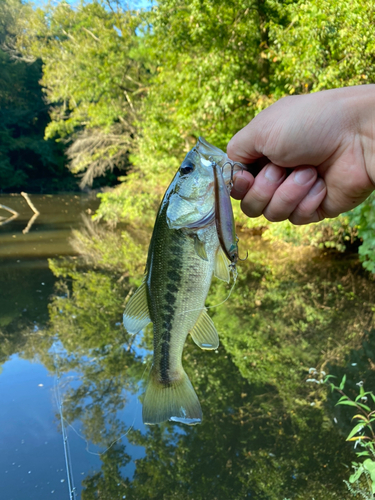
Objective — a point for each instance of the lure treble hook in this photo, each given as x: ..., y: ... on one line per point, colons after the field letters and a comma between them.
x: 247, y: 255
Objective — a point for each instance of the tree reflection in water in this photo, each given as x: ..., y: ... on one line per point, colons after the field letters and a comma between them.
x: 266, y: 434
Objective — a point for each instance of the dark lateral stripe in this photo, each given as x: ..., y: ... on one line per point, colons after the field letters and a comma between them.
x: 166, y: 338
x: 164, y: 361
x: 174, y: 278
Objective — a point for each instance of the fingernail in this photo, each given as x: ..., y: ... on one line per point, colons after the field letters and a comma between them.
x: 303, y: 176
x: 273, y: 173
x: 317, y: 187
x: 241, y: 184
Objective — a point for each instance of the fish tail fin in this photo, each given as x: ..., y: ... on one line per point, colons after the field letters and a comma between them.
x: 175, y: 401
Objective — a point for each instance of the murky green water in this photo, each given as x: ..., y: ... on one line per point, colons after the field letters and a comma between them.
x: 70, y: 413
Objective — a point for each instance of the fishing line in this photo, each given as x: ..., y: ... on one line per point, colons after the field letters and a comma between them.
x: 229, y: 294
x: 67, y: 455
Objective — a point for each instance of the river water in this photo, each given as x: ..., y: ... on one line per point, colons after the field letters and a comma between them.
x: 71, y: 377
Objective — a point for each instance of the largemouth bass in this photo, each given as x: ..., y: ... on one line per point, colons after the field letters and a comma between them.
x: 193, y: 239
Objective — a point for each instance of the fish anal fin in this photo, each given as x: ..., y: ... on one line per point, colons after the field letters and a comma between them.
x: 204, y: 332
x: 175, y: 401
x: 136, y: 314
x: 200, y: 248
x: 221, y: 269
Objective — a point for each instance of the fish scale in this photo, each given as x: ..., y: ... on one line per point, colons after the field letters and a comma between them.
x: 187, y: 247
x: 169, y: 288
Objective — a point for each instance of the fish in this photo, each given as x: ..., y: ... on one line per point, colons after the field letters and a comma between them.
x: 193, y: 239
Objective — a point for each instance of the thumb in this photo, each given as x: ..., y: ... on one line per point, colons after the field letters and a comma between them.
x: 246, y: 146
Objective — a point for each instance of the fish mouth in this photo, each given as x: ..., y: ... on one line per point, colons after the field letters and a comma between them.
x: 214, y: 154
x: 208, y: 151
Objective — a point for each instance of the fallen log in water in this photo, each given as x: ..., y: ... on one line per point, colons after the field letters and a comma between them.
x: 10, y: 210
x: 30, y: 203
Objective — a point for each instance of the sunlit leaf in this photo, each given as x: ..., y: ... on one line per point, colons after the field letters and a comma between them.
x: 369, y: 465
x: 361, y: 417
x: 354, y: 431
x: 348, y: 403
x: 365, y: 407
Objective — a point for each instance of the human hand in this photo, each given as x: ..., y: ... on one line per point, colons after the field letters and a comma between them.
x: 328, y: 138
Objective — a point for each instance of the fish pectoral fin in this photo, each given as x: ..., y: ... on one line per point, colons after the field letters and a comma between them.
x: 221, y: 269
x: 136, y: 314
x: 199, y: 248
x: 175, y: 401
x: 204, y: 332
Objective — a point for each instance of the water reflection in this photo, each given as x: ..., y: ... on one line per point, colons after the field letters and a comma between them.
x: 266, y: 433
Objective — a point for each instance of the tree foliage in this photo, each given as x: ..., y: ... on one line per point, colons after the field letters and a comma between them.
x: 27, y: 161
x: 133, y: 89
x: 327, y: 44
x: 94, y: 77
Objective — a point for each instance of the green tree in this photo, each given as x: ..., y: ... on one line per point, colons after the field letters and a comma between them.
x: 327, y: 44
x: 218, y: 64
x: 94, y: 75
x: 212, y: 75
x: 27, y: 161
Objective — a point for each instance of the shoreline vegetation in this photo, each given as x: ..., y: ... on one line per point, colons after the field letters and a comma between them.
x: 119, y: 94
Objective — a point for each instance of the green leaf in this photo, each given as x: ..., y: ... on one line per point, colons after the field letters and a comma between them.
x: 357, y: 474
x: 361, y: 417
x: 369, y: 465
x: 363, y: 454
x: 348, y: 403
x: 343, y: 398
x: 365, y: 407
x: 342, y: 383
x: 354, y: 431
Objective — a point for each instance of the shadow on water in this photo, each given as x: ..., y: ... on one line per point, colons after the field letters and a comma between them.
x: 267, y: 434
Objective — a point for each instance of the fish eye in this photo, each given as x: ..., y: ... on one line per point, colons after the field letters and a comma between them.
x: 187, y: 166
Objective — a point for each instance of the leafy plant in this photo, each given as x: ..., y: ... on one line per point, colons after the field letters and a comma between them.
x: 363, y: 434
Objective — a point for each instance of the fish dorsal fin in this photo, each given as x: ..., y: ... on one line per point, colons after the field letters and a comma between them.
x: 222, y: 262
x: 204, y: 332
x: 200, y: 248
x: 136, y: 314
